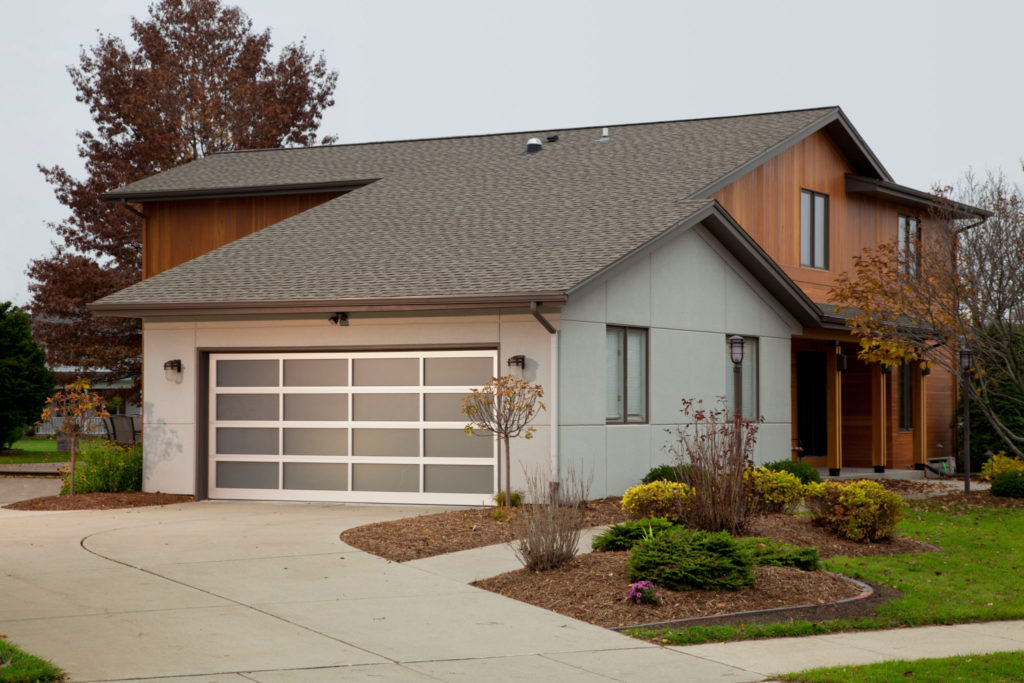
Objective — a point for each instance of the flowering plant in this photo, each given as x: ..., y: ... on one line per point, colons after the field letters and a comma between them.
x: 643, y: 593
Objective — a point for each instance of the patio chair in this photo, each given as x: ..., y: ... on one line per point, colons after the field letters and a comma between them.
x: 137, y: 427
x: 123, y: 431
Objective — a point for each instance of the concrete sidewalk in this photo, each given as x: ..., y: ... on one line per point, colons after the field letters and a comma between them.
x: 267, y: 592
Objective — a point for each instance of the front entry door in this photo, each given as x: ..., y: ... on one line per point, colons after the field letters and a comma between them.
x: 811, y: 403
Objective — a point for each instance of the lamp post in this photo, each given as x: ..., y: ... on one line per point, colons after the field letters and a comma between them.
x: 736, y: 355
x: 965, y: 369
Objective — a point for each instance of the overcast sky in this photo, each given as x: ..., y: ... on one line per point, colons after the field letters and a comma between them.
x: 934, y: 87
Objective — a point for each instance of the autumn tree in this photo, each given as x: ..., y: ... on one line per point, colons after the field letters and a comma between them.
x: 194, y: 79
x: 505, y: 407
x: 73, y: 410
x: 960, y: 282
x: 25, y: 381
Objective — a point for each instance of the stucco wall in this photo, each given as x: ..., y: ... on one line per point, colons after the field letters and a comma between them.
x: 170, y: 408
x: 691, y: 293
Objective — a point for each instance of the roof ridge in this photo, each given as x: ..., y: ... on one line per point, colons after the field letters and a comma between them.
x: 528, y: 131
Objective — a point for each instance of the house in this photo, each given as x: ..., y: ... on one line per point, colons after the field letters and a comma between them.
x: 313, y: 316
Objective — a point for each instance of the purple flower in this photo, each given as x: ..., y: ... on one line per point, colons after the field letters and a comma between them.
x: 643, y: 592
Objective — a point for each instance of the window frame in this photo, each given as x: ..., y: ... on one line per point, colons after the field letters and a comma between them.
x: 755, y: 345
x: 905, y: 398
x: 908, y: 240
x: 825, y: 231
x: 624, y: 367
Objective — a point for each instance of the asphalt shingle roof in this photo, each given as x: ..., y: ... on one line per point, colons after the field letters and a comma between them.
x: 458, y: 216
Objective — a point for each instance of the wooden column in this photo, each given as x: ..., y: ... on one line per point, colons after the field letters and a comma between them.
x: 918, y: 416
x: 879, y: 412
x: 834, y: 409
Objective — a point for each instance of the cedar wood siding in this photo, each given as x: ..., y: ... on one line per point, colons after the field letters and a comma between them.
x: 766, y: 202
x: 178, y: 231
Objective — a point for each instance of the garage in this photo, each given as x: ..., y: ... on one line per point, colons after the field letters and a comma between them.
x: 368, y: 427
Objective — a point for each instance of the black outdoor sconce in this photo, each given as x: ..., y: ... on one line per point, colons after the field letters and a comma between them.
x: 841, y: 362
x: 172, y: 369
x: 517, y: 361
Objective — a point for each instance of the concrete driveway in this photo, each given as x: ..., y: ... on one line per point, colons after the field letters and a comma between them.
x: 218, y: 591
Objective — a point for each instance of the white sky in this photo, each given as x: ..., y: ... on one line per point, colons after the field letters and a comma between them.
x: 933, y: 86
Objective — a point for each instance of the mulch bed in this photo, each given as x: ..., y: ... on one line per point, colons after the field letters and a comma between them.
x: 415, y: 537
x: 100, y: 501
x: 800, y: 530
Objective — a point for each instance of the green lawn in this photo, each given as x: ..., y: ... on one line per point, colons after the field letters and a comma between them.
x: 20, y: 667
x: 36, y: 450
x: 1000, y: 666
x: 972, y: 579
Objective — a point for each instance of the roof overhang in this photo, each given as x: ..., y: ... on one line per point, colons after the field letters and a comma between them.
x: 230, y: 192
x: 300, y: 306
x: 881, y: 189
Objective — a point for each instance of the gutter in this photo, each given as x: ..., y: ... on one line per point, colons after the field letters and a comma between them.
x: 552, y: 394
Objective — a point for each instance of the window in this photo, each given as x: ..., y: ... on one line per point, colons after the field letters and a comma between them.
x: 626, y: 368
x: 909, y: 236
x: 813, y: 229
x: 749, y: 379
x: 905, y: 398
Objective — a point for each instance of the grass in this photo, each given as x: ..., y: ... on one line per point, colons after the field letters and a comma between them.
x: 17, y: 666
x: 970, y: 580
x: 1000, y: 666
x: 33, y: 450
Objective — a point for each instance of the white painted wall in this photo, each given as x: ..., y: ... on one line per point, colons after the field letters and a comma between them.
x: 691, y: 293
x: 170, y: 408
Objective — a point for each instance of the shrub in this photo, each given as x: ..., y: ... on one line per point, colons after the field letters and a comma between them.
x: 682, y: 559
x: 548, y: 530
x: 801, y: 470
x: 517, y: 498
x: 661, y: 473
x: 860, y: 511
x: 665, y: 499
x: 108, y: 467
x: 624, y: 536
x: 1009, y: 484
x: 643, y: 593
x: 770, y: 491
x: 999, y: 463
x: 766, y: 552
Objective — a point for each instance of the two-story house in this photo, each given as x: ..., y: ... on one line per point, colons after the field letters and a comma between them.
x: 312, y: 317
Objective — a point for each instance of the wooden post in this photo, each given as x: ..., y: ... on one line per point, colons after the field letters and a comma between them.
x: 918, y: 416
x: 879, y: 411
x: 834, y: 408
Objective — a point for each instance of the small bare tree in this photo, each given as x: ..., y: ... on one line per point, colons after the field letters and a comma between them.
x: 77, y: 408
x: 504, y: 406
x: 548, y: 529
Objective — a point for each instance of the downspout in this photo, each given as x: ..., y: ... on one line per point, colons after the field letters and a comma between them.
x: 552, y: 393
x: 125, y: 204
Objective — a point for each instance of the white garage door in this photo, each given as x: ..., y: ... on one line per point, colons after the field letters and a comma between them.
x: 360, y: 427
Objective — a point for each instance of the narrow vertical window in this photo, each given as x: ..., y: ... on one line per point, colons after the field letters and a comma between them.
x: 813, y: 229
x: 749, y: 374
x: 626, y: 374
x: 909, y: 242
x: 905, y: 398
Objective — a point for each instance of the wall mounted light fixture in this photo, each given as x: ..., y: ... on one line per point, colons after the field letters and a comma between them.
x: 173, y: 370
x: 517, y: 361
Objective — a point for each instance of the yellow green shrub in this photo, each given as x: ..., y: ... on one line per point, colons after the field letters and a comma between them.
x: 862, y: 511
x: 999, y: 463
x: 771, y: 491
x: 664, y: 499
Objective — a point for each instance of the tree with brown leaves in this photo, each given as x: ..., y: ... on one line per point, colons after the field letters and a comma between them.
x: 961, y: 283
x: 195, y: 79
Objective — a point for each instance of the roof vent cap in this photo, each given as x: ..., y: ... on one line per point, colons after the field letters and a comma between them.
x: 552, y: 138
x: 533, y: 145
x: 604, y: 135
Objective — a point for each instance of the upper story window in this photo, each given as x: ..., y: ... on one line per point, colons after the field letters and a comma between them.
x: 909, y: 236
x: 626, y: 373
x: 813, y: 229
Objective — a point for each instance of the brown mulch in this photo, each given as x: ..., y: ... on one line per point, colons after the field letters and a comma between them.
x: 99, y: 501
x: 800, y: 530
x: 593, y: 589
x: 414, y: 537
x: 974, y: 499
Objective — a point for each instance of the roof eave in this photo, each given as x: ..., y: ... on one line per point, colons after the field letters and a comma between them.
x: 231, y: 192
x: 892, y: 191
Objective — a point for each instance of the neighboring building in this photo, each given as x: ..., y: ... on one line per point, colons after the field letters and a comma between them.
x: 329, y: 306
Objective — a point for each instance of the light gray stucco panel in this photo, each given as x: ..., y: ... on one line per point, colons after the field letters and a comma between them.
x: 587, y: 305
x: 774, y: 381
x: 774, y: 442
x: 583, y: 448
x: 742, y: 306
x: 688, y: 285
x: 628, y: 451
x: 581, y: 383
x: 629, y: 295
x: 692, y: 366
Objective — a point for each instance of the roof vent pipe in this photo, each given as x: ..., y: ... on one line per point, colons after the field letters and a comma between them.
x: 604, y: 135
x: 533, y: 145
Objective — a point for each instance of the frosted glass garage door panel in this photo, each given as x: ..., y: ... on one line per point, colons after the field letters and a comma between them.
x: 315, y: 441
x: 402, y: 443
x: 467, y: 372
x: 386, y: 372
x: 246, y: 475
x: 314, y: 476
x: 247, y: 373
x: 386, y: 407
x: 247, y: 441
x: 316, y: 407
x: 401, y: 478
x: 247, y: 407
x: 316, y: 372
x: 456, y: 443
x: 443, y: 408
x: 458, y: 479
